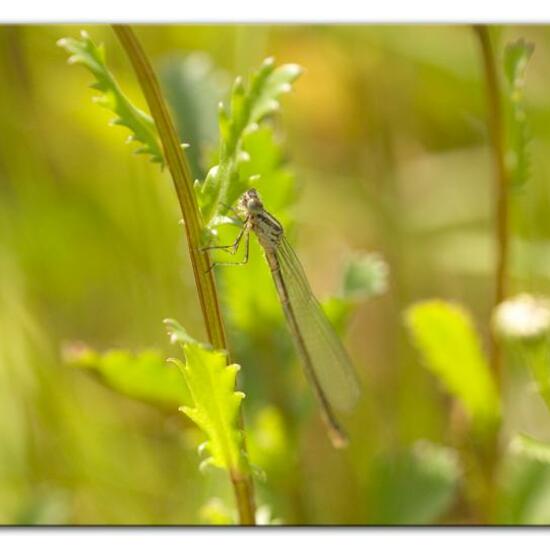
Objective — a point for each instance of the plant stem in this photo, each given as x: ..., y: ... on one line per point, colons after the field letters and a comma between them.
x: 181, y: 177
x: 496, y: 131
x: 495, y: 121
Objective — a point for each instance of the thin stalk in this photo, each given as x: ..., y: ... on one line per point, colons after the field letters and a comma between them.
x: 181, y: 178
x: 501, y: 183
x: 495, y: 122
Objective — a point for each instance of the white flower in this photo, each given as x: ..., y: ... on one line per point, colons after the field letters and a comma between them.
x: 523, y: 317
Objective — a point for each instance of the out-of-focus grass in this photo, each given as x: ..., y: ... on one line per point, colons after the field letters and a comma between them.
x: 385, y: 132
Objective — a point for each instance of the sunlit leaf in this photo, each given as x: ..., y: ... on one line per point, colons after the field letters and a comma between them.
x: 84, y: 52
x: 146, y: 376
x: 449, y: 345
x: 268, y: 85
x: 214, y: 404
x: 248, y: 107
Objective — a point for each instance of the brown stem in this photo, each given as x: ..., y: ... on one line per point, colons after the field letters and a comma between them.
x: 489, y: 454
x: 181, y: 177
x: 496, y: 131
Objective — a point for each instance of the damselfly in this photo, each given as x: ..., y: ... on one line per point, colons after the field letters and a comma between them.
x: 325, y: 361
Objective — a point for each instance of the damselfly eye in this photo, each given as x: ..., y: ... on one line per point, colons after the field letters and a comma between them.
x: 254, y: 205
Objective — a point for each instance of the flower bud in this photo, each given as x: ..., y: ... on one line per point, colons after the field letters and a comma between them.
x: 522, y: 318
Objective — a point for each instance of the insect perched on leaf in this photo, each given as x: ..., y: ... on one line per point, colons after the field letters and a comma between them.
x: 325, y: 361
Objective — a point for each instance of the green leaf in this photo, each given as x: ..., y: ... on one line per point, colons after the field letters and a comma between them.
x: 84, y: 52
x: 267, y: 92
x: 145, y: 376
x: 249, y: 106
x: 516, y: 58
x: 214, y: 404
x: 178, y: 334
x: 532, y: 448
x: 449, y: 345
x: 415, y: 486
x: 524, y: 496
x: 194, y: 86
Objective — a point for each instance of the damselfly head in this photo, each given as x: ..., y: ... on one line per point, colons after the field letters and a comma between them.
x: 251, y: 202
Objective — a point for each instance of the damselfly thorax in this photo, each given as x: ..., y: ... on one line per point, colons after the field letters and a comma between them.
x: 268, y: 230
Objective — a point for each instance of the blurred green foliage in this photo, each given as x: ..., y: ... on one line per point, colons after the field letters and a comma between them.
x: 516, y: 58
x: 414, y: 486
x: 385, y: 132
x: 444, y: 335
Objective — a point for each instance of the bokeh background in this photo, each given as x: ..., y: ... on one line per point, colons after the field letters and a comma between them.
x: 386, y: 138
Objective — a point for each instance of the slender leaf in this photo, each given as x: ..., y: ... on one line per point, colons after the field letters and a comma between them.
x: 516, y: 58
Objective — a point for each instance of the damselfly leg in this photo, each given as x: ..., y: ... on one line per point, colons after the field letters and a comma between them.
x: 233, y: 249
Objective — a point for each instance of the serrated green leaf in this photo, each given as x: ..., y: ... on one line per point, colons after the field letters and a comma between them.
x: 244, y: 304
x: 277, y: 82
x: 516, y: 58
x: 214, y: 404
x: 145, y: 376
x: 532, y: 448
x: 445, y: 337
x: 249, y: 106
x: 178, y: 334
x: 84, y: 52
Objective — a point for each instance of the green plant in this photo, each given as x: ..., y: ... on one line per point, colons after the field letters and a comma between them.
x: 443, y: 332
x: 248, y: 153
x: 84, y: 51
